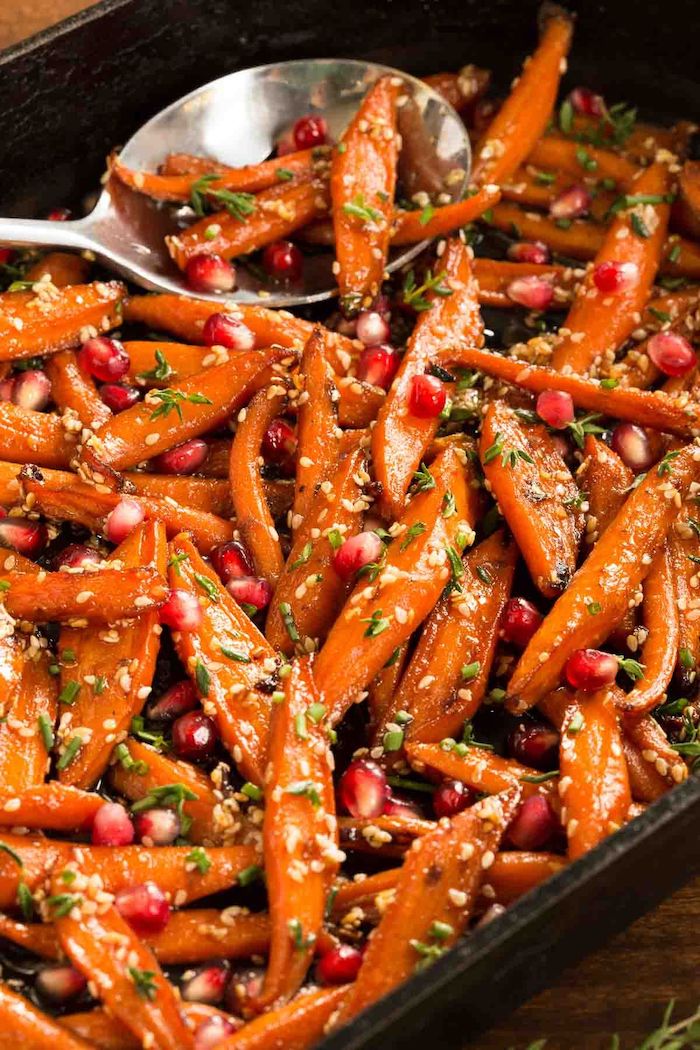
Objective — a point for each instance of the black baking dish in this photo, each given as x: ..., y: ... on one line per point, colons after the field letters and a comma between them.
x: 75, y: 91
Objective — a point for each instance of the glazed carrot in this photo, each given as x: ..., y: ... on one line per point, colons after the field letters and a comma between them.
x: 210, y: 933
x: 495, y: 275
x: 300, y: 848
x: 103, y: 946
x: 400, y: 439
x: 447, y: 676
x: 409, y: 227
x: 635, y: 237
x: 295, y: 1026
x: 684, y: 547
x: 317, y: 428
x: 606, y: 481
x: 635, y: 367
x: 385, y: 836
x: 363, y: 180
x: 209, y: 495
x: 612, y: 573
x: 515, y: 873
x: 36, y: 437
x: 72, y: 389
x: 594, y: 785
x: 646, y: 733
x: 35, y: 937
x: 453, y: 857
x: 228, y: 659
x: 565, y: 155
x: 253, y: 515
x: 524, y: 115
x: 53, y: 806
x: 23, y: 1024
x: 43, y: 320
x: 686, y: 210
x: 382, y: 688
x: 482, y: 769
x: 533, y: 188
x: 362, y: 892
x: 378, y: 617
x: 29, y: 696
x: 646, y: 784
x: 110, y: 1034
x: 358, y: 403
x: 107, y: 685
x: 103, y: 596
x: 157, y: 363
x: 460, y: 89
x: 61, y: 268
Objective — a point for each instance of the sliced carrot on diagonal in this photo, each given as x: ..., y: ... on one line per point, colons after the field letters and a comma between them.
x: 409, y: 227
x: 317, y: 428
x: 24, y: 1024
x: 30, y: 703
x: 72, y: 389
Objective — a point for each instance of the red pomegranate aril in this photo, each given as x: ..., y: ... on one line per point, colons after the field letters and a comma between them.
x: 228, y: 331
x: 6, y: 256
x: 450, y: 797
x: 571, y: 204
x: 363, y: 789
x: 632, y: 446
x: 671, y: 353
x: 207, y: 986
x: 178, y: 700
x: 210, y: 273
x: 32, y: 390
x: 427, y: 397
x: 534, y: 824
x: 533, y: 292
x: 157, y: 827
x: 118, y: 397
x: 355, y: 553
x: 60, y: 983
x: 145, y: 907
x: 401, y: 807
x: 534, y: 744
x: 591, y: 669
x: 183, y: 459
x: 24, y: 536
x: 586, y: 102
x: 372, y: 328
x: 520, y: 621
x: 231, y: 561
x: 310, y: 131
x: 59, y: 215
x: 378, y: 365
x: 194, y: 736
x: 77, y: 556
x: 181, y: 611
x: 212, y: 1032
x: 555, y: 408
x: 279, y: 445
x: 122, y: 521
x: 610, y: 277
x: 340, y: 965
x: 244, y: 986
x: 283, y: 260
x: 7, y: 387
x: 104, y: 358
x: 112, y: 826
x: 250, y: 590
x: 529, y: 252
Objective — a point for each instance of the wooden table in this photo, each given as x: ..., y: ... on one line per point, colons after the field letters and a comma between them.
x: 625, y: 986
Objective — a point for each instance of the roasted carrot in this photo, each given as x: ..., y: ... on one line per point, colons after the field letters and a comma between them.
x: 209, y: 495
x: 684, y: 547
x: 686, y: 209
x: 72, y: 389
x: 36, y: 937
x: 460, y: 89
x: 23, y: 1024
x: 606, y: 482
x: 157, y: 363
x: 46, y: 319
x: 409, y: 227
x: 494, y: 276
x: 383, y: 686
x: 210, y: 933
x: 646, y: 733
x: 106, y: 1032
x: 295, y: 1026
x: 515, y: 873
x: 317, y: 430
x: 646, y: 784
x: 565, y: 155
x: 358, y: 402
x: 29, y: 715
x: 481, y: 768
x: 36, y: 437
x: 53, y: 806
x: 60, y: 268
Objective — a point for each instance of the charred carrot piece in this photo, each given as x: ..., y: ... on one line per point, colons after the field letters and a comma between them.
x: 400, y: 439
x: 478, y: 767
x: 106, y: 685
x: 34, y: 437
x: 446, y: 679
x: 208, y: 933
x: 35, y: 937
x: 565, y: 155
x: 454, y: 857
x: 103, y: 946
x: 53, y: 806
x: 524, y: 115
x: 594, y: 783
x: 629, y: 544
x: 363, y: 181
x: 60, y: 268
x: 635, y: 238
x: 72, y: 389
x: 646, y: 733
x: 298, y: 1025
x: 30, y: 705
x: 378, y: 617
x: 409, y: 227
x: 42, y: 320
x: 606, y: 481
x: 299, y: 833
x: 383, y: 687
x: 317, y: 429
x: 684, y: 547
x: 495, y: 275
x: 228, y: 659
x: 24, y: 1024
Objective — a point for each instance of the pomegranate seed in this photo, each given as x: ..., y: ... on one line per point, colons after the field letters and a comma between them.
x: 226, y: 330
x: 529, y: 252
x: 59, y: 215
x: 450, y: 797
x: 283, y: 260
x: 145, y: 907
x: 32, y: 389
x: 183, y: 459
x: 244, y: 986
x: 382, y: 306
x: 105, y: 359
x: 279, y: 445
x: 363, y: 790
x: 122, y: 521
x: 586, y: 102
x: 26, y: 537
x: 157, y: 827
x: 401, y: 807
x: 671, y: 353
x: 194, y: 736
x: 77, y: 556
x: 178, y: 700
x: 555, y: 408
x: 112, y: 826
x: 310, y: 131
x: 340, y: 965
x: 372, y: 328
x: 250, y: 590
x: 571, y: 203
x: 7, y: 387
x: 181, y: 611
x: 210, y: 273
x: 591, y: 669
x: 520, y: 621
x: 356, y: 552
x: 632, y: 446
x: 60, y: 983
x: 534, y: 744
x: 427, y: 397
x: 231, y: 561
x: 533, y: 292
x: 609, y: 277
x: 207, y: 986
x: 118, y: 397
x: 212, y: 1032
x: 378, y: 365
x: 6, y: 256
x: 533, y: 824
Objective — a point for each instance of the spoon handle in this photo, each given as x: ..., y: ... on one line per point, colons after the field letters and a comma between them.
x: 30, y: 233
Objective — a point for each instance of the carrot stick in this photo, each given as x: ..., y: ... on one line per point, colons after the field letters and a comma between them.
x: 524, y: 115
x: 23, y: 1024
x: 42, y: 321
x: 52, y: 806
x: 515, y: 873
x: 36, y: 937
x: 30, y: 702
x: 363, y: 180
x: 565, y: 155
x: 409, y: 227
x: 359, y: 402
x: 684, y: 547
x: 606, y: 481
x: 384, y: 685
x: 34, y: 437
x: 480, y: 768
x: 156, y: 364
x: 209, y: 933
x: 495, y: 275
x: 208, y: 495
x: 72, y: 389
x: 60, y: 268
x: 607, y: 579
x: 646, y: 733
x: 400, y: 439
x: 295, y: 1026
x: 646, y: 784
x: 384, y: 836
x: 317, y: 431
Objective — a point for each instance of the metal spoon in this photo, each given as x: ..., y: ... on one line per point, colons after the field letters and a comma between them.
x: 237, y: 120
